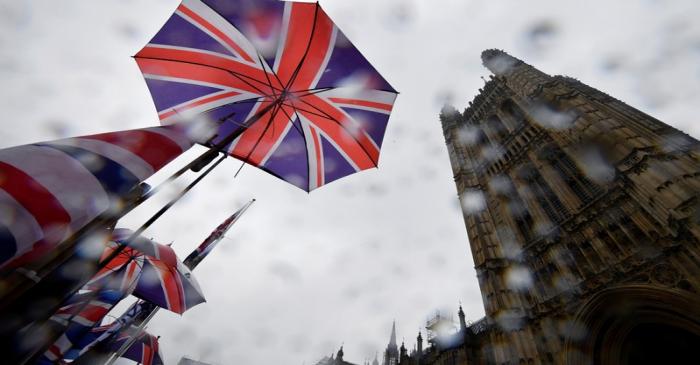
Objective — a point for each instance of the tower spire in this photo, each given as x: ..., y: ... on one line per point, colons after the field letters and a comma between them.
x: 392, y: 339
x: 462, y: 319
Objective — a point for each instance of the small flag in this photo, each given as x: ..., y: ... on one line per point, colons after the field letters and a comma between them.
x: 217, y: 235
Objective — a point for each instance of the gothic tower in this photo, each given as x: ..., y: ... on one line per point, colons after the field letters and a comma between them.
x: 391, y: 354
x: 583, y: 220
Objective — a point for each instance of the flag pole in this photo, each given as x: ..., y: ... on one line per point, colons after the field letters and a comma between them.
x: 98, y: 352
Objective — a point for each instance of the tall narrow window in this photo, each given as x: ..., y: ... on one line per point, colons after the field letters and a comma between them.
x: 513, y: 111
x: 550, y: 203
x: 496, y: 128
x: 610, y: 244
x: 518, y: 210
x: 584, y: 189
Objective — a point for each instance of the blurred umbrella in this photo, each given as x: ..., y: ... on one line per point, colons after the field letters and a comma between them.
x: 50, y: 190
x: 123, y: 271
x: 286, y: 90
x: 144, y: 350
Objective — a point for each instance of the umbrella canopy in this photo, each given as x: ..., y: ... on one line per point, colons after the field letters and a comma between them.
x: 145, y: 350
x: 302, y: 101
x: 171, y: 288
x: 161, y: 278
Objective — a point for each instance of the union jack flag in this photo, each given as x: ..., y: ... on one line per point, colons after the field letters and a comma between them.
x: 323, y: 107
x: 194, y: 258
x: 80, y: 315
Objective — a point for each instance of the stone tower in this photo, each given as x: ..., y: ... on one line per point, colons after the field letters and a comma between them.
x: 583, y: 221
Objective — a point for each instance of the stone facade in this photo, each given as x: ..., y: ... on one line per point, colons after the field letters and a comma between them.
x: 583, y: 221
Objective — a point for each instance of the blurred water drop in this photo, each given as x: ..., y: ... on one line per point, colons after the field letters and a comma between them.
x: 473, y: 201
x: 519, y: 278
x: 542, y: 35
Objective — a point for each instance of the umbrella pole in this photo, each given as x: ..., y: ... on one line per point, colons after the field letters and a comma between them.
x: 54, y: 336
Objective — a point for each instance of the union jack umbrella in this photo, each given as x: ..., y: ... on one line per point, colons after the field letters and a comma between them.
x: 144, y: 350
x: 49, y: 190
x: 171, y: 288
x: 288, y: 92
x: 124, y: 270
x: 161, y: 278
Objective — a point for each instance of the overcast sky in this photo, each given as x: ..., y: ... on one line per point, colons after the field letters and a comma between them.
x: 302, y: 273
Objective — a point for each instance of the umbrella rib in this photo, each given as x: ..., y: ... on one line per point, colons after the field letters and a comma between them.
x: 273, y: 112
x: 303, y: 135
x: 269, y: 82
x: 306, y: 111
x: 291, y: 120
x: 308, y: 92
x: 329, y: 117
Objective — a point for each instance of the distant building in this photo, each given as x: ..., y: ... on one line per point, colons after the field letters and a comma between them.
x: 338, y: 359
x: 187, y: 361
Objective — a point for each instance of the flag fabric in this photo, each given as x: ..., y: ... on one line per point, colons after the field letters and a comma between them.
x: 145, y: 349
x: 323, y: 107
x: 210, y: 242
x: 124, y: 321
x: 49, y: 190
x: 80, y: 315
